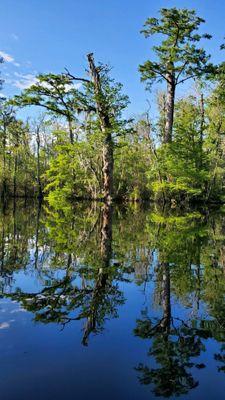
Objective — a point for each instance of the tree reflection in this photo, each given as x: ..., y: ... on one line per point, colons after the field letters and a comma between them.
x: 79, y: 254
x: 83, y: 292
x: 176, y: 343
x: 173, y: 345
x: 15, y: 233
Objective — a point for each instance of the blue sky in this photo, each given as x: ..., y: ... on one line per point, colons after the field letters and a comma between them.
x: 48, y: 35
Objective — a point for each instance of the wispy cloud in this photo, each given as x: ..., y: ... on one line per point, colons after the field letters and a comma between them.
x: 8, y: 58
x: 24, y: 80
x: 4, y: 325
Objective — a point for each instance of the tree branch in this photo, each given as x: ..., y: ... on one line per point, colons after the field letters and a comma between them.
x: 75, y: 78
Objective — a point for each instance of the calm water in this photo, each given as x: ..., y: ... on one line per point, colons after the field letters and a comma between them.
x: 102, y: 303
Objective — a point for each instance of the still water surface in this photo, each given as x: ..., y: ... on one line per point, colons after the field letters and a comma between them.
x: 111, y: 303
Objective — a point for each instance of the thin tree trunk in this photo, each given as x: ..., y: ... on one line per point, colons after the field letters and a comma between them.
x: 71, y: 130
x: 106, y: 128
x: 170, y: 97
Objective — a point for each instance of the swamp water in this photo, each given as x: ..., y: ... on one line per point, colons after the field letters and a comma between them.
x: 111, y: 303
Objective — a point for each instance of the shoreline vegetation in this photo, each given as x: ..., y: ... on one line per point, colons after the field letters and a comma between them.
x: 83, y: 148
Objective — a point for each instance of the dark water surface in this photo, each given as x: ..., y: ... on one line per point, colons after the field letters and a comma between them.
x: 111, y: 303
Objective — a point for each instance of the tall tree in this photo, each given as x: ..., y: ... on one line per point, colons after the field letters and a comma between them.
x: 178, y: 58
x: 109, y: 104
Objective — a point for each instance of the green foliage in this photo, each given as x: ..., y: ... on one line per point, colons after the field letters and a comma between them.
x: 177, y: 52
x: 182, y: 168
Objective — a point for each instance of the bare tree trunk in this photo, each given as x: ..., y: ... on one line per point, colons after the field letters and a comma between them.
x: 170, y: 97
x: 108, y: 162
x: 71, y: 130
x: 106, y: 129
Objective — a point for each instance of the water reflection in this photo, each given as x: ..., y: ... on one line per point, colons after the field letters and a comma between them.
x: 83, y: 256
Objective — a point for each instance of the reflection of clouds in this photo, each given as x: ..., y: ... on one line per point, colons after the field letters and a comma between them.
x: 17, y: 310
x: 4, y: 325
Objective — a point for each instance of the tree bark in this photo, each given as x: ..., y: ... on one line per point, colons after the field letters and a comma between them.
x: 71, y: 130
x: 106, y: 128
x: 108, y: 162
x: 170, y: 97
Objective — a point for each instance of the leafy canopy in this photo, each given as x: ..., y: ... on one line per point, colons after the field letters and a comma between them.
x: 177, y: 53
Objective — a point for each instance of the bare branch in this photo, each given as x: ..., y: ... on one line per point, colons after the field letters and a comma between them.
x: 75, y: 78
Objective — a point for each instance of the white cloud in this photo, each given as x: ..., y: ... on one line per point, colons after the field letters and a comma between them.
x: 6, y: 57
x: 24, y: 80
x: 73, y: 85
x: 17, y: 310
x: 4, y: 325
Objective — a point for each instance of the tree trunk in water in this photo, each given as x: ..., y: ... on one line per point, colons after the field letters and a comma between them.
x: 166, y: 305
x: 106, y: 129
x: 106, y: 235
x: 36, y: 253
x: 4, y: 165
x: 170, y: 96
x: 102, y: 281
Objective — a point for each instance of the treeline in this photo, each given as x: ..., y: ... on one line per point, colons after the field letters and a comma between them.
x: 84, y: 147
